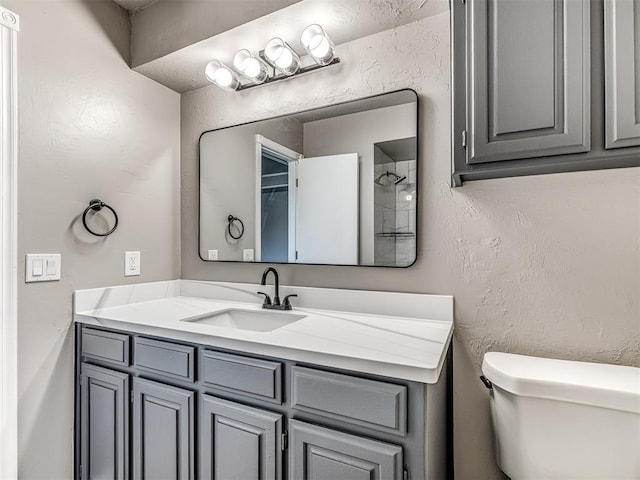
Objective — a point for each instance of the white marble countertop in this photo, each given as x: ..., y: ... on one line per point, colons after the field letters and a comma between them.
x: 399, y: 346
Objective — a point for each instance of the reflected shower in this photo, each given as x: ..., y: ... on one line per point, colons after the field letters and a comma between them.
x: 397, y: 178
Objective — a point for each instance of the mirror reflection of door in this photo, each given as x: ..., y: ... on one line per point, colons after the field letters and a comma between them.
x: 276, y: 202
x: 327, y: 200
x: 303, y: 204
x: 274, y: 191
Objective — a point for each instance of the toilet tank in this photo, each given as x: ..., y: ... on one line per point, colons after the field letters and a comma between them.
x: 558, y: 419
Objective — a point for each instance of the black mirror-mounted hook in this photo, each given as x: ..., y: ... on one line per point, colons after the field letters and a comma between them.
x: 96, y: 205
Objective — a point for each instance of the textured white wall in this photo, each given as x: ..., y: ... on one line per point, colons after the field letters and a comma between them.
x: 545, y: 265
x: 89, y: 127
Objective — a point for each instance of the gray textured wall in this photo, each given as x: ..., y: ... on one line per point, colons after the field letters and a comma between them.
x: 544, y: 265
x: 89, y: 127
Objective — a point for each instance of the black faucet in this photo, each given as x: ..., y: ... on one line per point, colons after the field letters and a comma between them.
x: 275, y: 305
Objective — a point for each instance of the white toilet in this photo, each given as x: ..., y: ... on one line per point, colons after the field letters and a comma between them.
x: 557, y: 419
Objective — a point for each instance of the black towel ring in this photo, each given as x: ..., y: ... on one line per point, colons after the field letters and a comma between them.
x: 231, y: 219
x: 96, y: 205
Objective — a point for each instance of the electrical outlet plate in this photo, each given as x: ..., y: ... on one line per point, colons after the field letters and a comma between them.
x: 212, y: 254
x: 131, y: 264
x: 247, y: 255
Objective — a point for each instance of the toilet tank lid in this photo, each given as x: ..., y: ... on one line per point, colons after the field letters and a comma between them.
x: 608, y: 386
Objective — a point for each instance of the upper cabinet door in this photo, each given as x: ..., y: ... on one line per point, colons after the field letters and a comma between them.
x: 622, y: 72
x: 528, y: 78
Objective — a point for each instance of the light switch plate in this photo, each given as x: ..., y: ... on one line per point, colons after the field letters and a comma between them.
x: 131, y: 264
x: 247, y: 255
x: 43, y: 267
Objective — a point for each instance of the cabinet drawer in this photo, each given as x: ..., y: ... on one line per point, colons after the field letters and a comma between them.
x: 105, y: 346
x: 368, y: 403
x: 164, y: 359
x: 249, y: 377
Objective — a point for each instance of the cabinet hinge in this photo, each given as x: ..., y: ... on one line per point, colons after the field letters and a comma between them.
x: 284, y: 438
x: 296, y: 183
x: 405, y: 472
x: 131, y: 395
x: 464, y: 139
x: 296, y: 254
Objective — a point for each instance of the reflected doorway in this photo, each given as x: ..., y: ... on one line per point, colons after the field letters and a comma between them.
x: 275, y: 201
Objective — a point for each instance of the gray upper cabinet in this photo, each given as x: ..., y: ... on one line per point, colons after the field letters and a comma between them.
x: 528, y: 78
x: 319, y: 453
x: 162, y: 431
x: 238, y: 442
x: 104, y: 420
x: 544, y: 86
x: 622, y: 72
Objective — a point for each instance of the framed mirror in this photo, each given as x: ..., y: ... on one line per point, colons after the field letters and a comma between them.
x: 335, y: 185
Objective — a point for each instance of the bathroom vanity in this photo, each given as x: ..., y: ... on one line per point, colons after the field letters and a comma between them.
x: 189, y: 379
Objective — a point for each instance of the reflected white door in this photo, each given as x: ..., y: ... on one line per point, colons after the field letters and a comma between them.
x: 327, y: 210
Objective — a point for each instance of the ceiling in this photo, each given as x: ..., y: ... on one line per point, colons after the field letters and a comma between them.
x: 134, y: 6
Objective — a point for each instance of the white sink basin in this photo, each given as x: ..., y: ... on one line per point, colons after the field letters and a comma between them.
x: 254, y: 320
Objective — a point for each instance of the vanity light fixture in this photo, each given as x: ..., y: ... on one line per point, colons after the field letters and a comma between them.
x: 277, y: 61
x: 281, y: 56
x: 318, y: 44
x: 218, y: 73
x: 251, y: 67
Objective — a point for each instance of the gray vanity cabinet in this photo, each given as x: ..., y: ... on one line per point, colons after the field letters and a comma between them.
x: 104, y: 413
x: 238, y: 442
x: 163, y: 436
x: 157, y: 408
x: 319, y: 453
x: 622, y: 72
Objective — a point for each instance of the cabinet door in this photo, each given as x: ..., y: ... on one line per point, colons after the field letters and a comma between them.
x: 238, y: 442
x: 528, y: 78
x: 318, y: 453
x: 622, y: 72
x: 162, y: 431
x: 104, y: 419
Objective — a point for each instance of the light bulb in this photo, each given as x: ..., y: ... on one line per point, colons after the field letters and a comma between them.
x: 221, y: 75
x: 318, y: 44
x: 282, y: 56
x: 250, y: 66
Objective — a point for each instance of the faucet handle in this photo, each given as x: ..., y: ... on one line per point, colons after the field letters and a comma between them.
x: 286, y: 303
x: 267, y: 299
